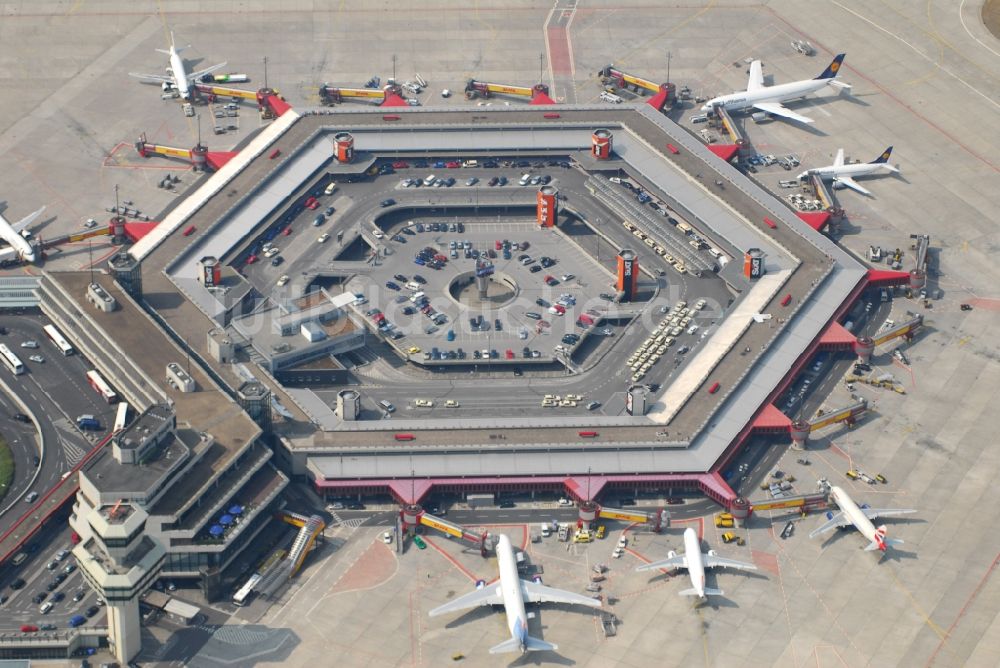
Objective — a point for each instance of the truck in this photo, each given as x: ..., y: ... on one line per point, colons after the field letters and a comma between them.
x: 724, y: 521
x: 564, y: 532
x: 480, y: 500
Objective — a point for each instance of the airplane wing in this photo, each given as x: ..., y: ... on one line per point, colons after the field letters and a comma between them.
x: 27, y: 220
x: 839, y: 160
x: 489, y: 595
x: 874, y: 513
x: 672, y: 562
x: 778, y: 110
x: 712, y: 561
x: 153, y: 77
x: 756, y: 81
x: 196, y: 76
x: 536, y: 593
x: 838, y: 520
x: 852, y: 184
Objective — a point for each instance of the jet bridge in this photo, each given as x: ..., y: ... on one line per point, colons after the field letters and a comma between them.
x: 656, y: 520
x: 865, y: 346
x: 388, y: 96
x: 199, y: 157
x: 415, y: 515
x: 664, y: 94
x: 539, y: 93
x: 800, y: 429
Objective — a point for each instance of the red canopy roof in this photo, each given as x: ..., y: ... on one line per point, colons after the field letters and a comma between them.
x: 880, y: 278
x: 724, y: 151
x: 393, y: 100
x: 815, y: 219
x: 836, y: 334
x: 541, y: 98
x: 771, y: 418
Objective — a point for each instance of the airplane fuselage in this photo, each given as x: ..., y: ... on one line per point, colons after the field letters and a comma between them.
x: 858, y: 169
x: 854, y: 513
x: 18, y: 244
x: 695, y: 565
x: 780, y: 93
x: 510, y: 585
x: 179, y: 73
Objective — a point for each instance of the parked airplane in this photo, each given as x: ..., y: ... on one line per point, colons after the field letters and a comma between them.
x: 177, y: 77
x: 512, y: 592
x: 696, y: 562
x: 842, y: 175
x: 17, y: 243
x: 861, y: 517
x: 769, y: 98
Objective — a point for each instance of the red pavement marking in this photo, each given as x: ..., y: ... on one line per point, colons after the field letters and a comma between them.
x: 375, y: 566
x: 766, y: 561
x: 454, y: 562
x: 968, y: 602
x: 558, y: 39
x: 983, y: 302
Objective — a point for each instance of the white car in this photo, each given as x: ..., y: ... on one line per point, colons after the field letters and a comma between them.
x: 37, y: 358
x: 30, y: 344
x: 617, y: 554
x: 323, y: 238
x: 565, y: 502
x: 283, y: 280
x: 387, y: 538
x: 377, y: 234
x: 446, y: 93
x: 567, y: 277
x: 451, y: 403
x: 271, y: 252
x: 423, y: 403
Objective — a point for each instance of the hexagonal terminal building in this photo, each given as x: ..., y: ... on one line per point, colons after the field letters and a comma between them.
x: 120, y: 562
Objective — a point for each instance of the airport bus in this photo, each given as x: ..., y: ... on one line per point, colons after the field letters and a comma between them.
x: 12, y: 361
x: 242, y: 597
x: 58, y: 340
x: 120, y: 417
x: 101, y: 387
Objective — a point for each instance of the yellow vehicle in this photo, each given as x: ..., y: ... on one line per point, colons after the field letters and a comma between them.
x: 601, y: 531
x: 853, y: 475
x: 583, y: 536
x: 413, y: 350
x: 724, y: 521
x: 451, y: 403
x: 730, y: 537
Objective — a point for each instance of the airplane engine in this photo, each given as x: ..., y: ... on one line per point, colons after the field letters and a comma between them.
x: 480, y: 584
x: 712, y: 553
x: 537, y: 579
x: 671, y: 554
x: 865, y: 506
x: 829, y: 515
x: 837, y: 185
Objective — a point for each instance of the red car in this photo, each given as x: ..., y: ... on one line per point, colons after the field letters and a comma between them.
x: 251, y: 259
x: 498, y: 244
x: 286, y: 231
x: 311, y: 203
x: 551, y: 280
x: 509, y: 354
x: 29, y: 628
x: 440, y: 258
x: 452, y: 164
x: 400, y: 164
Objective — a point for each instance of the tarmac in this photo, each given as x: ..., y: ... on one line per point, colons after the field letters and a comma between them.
x: 923, y: 80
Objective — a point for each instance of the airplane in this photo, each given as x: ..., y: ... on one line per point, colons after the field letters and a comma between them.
x: 512, y: 592
x: 17, y: 243
x: 769, y: 98
x: 177, y: 75
x: 842, y: 175
x: 696, y: 562
x: 861, y: 518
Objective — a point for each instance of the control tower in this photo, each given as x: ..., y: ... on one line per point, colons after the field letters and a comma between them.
x: 120, y: 562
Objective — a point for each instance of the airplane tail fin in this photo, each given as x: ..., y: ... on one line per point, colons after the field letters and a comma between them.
x: 173, y: 45
x: 833, y: 68
x: 884, y: 160
x: 881, y: 542
x: 530, y: 645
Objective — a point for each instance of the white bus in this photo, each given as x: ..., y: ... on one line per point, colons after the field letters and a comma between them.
x: 101, y: 387
x: 58, y: 340
x: 12, y: 361
x: 242, y: 597
x: 121, y: 417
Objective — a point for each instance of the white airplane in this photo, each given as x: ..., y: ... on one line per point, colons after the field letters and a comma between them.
x: 512, y: 592
x: 843, y: 175
x: 177, y: 75
x: 17, y: 243
x: 769, y: 98
x: 696, y: 562
x: 861, y: 517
